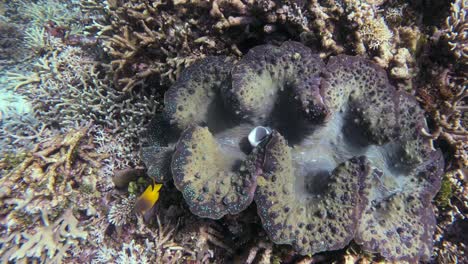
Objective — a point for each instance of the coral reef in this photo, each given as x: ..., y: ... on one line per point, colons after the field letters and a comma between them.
x: 373, y: 180
x: 12, y: 104
x: 45, y: 185
x: 456, y: 30
x: 98, y: 70
x: 135, y: 35
x: 9, y: 43
x: 443, y: 94
x: 52, y: 241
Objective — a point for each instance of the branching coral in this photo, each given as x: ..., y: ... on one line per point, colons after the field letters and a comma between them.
x: 457, y: 30
x: 68, y: 88
x: 376, y: 34
x: 51, y: 240
x: 48, y: 167
x: 17, y: 125
x: 47, y: 183
x: 36, y: 39
x: 147, y: 41
x: 342, y: 136
x: 371, y: 28
x: 372, y: 31
x: 44, y: 11
x: 121, y: 213
x: 325, y: 24
x: 444, y: 96
x: 158, y: 247
x: 153, y: 42
x: 10, y: 50
x: 266, y: 14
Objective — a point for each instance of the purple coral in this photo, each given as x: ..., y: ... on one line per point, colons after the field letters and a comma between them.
x: 345, y: 159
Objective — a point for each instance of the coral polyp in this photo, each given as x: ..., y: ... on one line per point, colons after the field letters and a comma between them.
x: 345, y: 160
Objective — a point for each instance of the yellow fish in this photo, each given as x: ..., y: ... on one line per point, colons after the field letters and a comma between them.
x: 148, y: 198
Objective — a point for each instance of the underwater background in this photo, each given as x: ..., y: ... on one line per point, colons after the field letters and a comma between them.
x: 82, y: 85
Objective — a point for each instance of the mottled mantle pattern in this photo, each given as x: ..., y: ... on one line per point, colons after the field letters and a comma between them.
x: 346, y: 159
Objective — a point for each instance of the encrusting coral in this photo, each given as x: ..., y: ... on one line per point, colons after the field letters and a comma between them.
x: 346, y: 158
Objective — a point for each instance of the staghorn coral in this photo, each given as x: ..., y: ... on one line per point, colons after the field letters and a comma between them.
x: 51, y: 240
x: 44, y: 11
x: 36, y: 39
x: 443, y: 94
x: 135, y: 37
x: 152, y: 43
x: 342, y: 135
x: 268, y: 15
x: 18, y: 127
x: 456, y: 30
x: 67, y: 88
x: 47, y: 167
x: 48, y: 183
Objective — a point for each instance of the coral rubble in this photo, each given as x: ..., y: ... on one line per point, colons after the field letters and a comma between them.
x: 346, y: 160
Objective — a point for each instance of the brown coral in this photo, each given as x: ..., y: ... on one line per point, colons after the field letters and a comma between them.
x: 45, y: 184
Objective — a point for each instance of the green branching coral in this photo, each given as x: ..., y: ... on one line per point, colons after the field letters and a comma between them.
x: 36, y: 39
x: 43, y: 11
